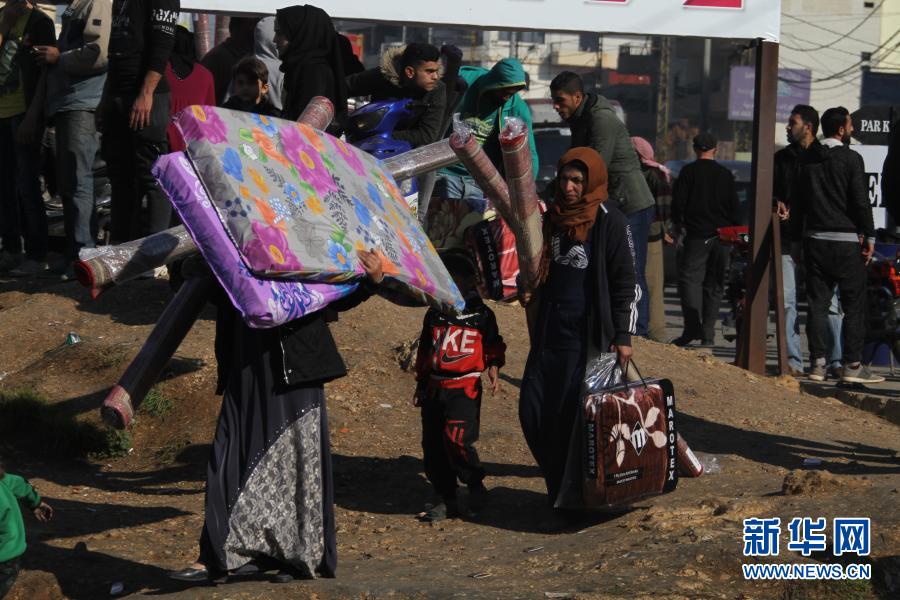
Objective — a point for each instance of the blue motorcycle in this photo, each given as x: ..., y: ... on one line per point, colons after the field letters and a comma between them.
x: 371, y: 127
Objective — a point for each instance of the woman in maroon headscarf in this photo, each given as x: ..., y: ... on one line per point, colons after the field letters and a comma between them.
x: 587, y: 299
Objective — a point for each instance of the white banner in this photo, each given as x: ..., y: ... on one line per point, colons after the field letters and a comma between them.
x: 700, y: 18
x: 874, y: 157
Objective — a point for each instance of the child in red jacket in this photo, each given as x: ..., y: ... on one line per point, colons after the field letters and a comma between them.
x: 453, y: 353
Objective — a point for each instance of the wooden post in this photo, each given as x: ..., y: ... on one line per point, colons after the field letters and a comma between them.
x: 752, y: 341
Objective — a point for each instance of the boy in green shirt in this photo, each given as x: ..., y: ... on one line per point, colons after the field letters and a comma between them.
x: 14, y: 489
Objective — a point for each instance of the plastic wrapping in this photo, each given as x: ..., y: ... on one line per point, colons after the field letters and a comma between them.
x: 461, y: 129
x: 480, y: 167
x: 420, y: 160
x: 262, y: 303
x: 514, y: 127
x: 688, y: 463
x: 101, y: 268
x: 523, y: 195
x: 318, y: 113
x: 602, y: 372
x: 710, y: 463
x: 297, y: 203
x: 493, y: 245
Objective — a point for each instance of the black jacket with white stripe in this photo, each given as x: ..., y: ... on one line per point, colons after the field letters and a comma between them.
x: 614, y: 289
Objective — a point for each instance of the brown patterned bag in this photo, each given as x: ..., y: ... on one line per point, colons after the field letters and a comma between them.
x: 629, y: 443
x: 624, y: 443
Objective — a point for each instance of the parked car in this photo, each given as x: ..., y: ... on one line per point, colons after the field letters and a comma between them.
x: 552, y: 136
x: 551, y: 143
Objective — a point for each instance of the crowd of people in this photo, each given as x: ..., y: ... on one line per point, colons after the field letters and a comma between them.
x: 120, y: 69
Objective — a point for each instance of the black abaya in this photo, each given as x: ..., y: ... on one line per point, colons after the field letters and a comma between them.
x: 269, y: 482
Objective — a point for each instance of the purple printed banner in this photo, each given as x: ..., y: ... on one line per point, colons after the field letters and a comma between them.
x: 793, y: 89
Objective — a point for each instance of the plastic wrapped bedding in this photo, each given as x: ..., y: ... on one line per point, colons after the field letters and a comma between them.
x: 262, y: 302
x: 295, y: 204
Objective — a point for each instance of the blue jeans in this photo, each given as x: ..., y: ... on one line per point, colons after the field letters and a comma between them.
x: 834, y: 353
x: 76, y: 148
x: 457, y: 187
x: 640, y: 222
x: 21, y: 202
x: 792, y: 324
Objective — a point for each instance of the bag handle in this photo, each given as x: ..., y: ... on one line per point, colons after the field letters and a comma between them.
x: 638, y: 371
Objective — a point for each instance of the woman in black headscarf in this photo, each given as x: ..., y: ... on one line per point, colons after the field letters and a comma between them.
x: 310, y: 59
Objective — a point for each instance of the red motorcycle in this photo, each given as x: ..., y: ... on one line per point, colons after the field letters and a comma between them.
x: 738, y: 237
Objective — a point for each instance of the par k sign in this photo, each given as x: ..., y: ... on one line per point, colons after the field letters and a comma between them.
x: 735, y: 19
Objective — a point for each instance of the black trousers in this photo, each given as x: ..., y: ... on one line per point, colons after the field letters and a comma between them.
x: 829, y: 264
x: 9, y: 570
x: 450, y: 422
x: 130, y: 156
x: 702, y: 267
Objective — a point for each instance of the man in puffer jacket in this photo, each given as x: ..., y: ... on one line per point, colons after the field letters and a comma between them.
x: 412, y: 72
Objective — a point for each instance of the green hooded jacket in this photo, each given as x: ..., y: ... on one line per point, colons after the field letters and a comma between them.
x: 486, y: 117
x: 12, y: 528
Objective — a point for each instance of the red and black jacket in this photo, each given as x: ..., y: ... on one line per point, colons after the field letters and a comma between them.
x: 454, y: 351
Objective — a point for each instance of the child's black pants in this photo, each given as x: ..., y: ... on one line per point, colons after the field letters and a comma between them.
x: 450, y: 421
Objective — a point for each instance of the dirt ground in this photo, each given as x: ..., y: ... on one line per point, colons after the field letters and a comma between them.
x: 130, y: 519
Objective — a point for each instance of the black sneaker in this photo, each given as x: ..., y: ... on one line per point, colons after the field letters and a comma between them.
x: 448, y: 509
x: 683, y: 341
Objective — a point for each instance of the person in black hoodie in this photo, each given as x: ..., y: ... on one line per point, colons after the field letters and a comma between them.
x: 703, y: 200
x: 134, y: 113
x: 831, y: 208
x: 587, y: 299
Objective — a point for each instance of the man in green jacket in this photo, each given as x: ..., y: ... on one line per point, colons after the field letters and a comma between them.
x: 594, y: 124
x: 12, y: 529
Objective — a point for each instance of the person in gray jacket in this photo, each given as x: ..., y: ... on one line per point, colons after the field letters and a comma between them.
x: 264, y: 49
x: 594, y: 124
x: 76, y: 73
